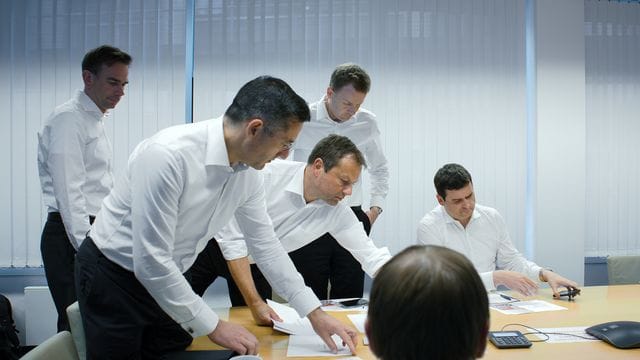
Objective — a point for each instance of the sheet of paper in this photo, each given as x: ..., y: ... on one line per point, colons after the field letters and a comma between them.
x: 524, y: 307
x: 291, y: 322
x: 358, y: 321
x: 560, y: 338
x: 313, y: 346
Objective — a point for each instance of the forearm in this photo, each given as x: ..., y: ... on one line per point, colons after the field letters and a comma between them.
x: 240, y: 270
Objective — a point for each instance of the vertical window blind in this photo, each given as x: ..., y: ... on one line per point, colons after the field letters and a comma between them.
x: 41, y: 49
x: 612, y: 44
x: 448, y: 85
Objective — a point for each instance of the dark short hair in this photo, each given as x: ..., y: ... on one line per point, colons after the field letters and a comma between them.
x: 270, y: 99
x: 451, y: 177
x: 104, y: 55
x: 350, y: 73
x: 333, y: 148
x: 427, y: 302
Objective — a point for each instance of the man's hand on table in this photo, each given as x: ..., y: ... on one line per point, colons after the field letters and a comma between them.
x: 234, y: 337
x: 325, y: 326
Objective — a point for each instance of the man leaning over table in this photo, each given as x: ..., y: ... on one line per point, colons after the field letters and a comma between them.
x: 180, y: 187
x: 480, y: 233
x: 304, y: 201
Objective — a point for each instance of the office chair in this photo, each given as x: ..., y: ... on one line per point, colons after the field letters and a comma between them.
x: 77, y: 329
x: 623, y: 269
x: 58, y: 347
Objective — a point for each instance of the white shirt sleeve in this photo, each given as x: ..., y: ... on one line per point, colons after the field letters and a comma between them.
x: 509, y: 258
x: 156, y: 188
x: 378, y: 170
x: 355, y: 240
x: 231, y: 241
x: 271, y: 258
x: 65, y: 162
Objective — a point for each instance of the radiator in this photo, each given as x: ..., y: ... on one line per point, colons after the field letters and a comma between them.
x: 40, y: 316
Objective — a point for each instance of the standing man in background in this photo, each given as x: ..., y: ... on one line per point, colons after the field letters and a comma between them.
x: 339, y: 112
x: 75, y: 167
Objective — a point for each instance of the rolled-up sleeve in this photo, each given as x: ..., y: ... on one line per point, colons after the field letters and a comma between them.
x: 270, y: 256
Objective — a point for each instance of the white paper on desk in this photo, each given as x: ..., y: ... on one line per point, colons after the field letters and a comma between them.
x: 291, y: 323
x: 524, y: 307
x: 557, y: 338
x: 358, y: 321
x: 312, y: 345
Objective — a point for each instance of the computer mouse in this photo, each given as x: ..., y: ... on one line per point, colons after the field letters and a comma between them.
x: 621, y: 334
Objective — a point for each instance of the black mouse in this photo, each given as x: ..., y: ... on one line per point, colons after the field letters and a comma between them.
x: 621, y: 334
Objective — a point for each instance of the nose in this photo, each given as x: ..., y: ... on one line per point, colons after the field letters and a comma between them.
x: 347, y: 189
x: 120, y: 90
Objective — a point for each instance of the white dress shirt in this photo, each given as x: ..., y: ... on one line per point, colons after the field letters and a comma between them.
x: 178, y: 191
x: 74, y: 163
x: 485, y: 241
x: 362, y: 129
x: 297, y: 223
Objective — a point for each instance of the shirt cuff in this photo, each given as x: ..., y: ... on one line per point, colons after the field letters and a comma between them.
x: 487, y: 280
x: 377, y: 200
x: 203, y: 323
x: 304, y: 302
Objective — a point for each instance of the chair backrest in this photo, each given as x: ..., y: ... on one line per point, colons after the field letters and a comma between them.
x: 77, y: 329
x: 58, y: 347
x: 623, y: 269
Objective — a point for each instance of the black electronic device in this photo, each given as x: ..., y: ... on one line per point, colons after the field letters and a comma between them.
x: 621, y: 334
x: 509, y: 339
x: 570, y: 293
x: 353, y: 303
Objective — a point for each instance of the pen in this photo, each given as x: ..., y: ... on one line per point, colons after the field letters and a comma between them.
x: 507, y: 297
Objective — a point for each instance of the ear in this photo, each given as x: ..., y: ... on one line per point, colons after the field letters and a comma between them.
x: 367, y: 332
x: 318, y: 166
x: 253, y: 126
x: 482, y: 344
x: 440, y: 200
x: 87, y: 78
x: 329, y: 92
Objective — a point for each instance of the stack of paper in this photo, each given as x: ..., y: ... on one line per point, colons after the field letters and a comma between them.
x: 291, y: 323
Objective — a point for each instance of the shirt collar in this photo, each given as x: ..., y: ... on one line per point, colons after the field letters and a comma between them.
x: 295, y: 186
x: 449, y: 219
x: 88, y: 105
x: 216, y: 153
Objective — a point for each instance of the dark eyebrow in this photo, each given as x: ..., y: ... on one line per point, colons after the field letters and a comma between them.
x: 118, y: 81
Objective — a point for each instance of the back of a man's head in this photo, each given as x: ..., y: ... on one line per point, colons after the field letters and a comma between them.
x: 428, y: 302
x: 270, y: 99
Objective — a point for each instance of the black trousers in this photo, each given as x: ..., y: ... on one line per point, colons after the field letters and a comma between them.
x: 121, y: 320
x: 58, y: 257
x: 324, y: 261
x: 320, y: 262
x: 210, y: 264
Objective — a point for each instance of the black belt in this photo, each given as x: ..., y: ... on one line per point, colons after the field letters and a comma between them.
x: 55, y: 217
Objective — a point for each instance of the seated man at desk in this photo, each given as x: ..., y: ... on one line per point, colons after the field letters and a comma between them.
x: 480, y: 233
x: 428, y: 302
x: 304, y: 202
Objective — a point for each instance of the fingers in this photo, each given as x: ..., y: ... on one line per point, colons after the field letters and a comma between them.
x: 274, y: 315
x: 326, y: 337
x: 349, y: 338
